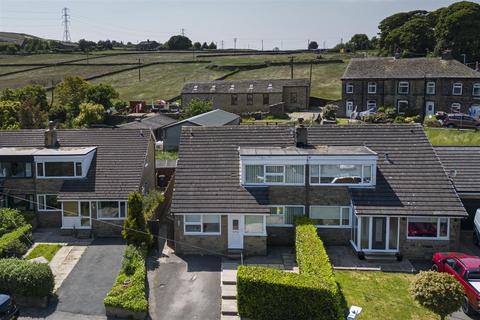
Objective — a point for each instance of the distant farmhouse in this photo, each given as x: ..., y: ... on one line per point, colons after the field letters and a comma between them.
x: 156, y: 122
x: 423, y: 85
x: 250, y: 95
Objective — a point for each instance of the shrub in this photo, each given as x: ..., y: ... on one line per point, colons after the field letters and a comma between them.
x: 134, y: 227
x: 10, y: 219
x: 412, y: 119
x: 399, y: 119
x: 150, y: 203
x: 439, y: 292
x: 26, y: 278
x: 16, y: 243
x: 431, y: 122
x: 329, y: 112
x: 129, y: 289
x: 265, y: 293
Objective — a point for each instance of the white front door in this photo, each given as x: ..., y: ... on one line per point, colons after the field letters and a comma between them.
x: 76, y: 214
x: 429, y: 108
x: 235, y: 231
x: 349, y: 108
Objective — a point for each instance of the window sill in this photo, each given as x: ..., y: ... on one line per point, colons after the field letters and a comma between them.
x: 321, y: 226
x: 202, y: 234
x: 428, y: 239
x: 255, y: 234
x: 99, y: 218
x: 47, y: 211
x: 279, y: 225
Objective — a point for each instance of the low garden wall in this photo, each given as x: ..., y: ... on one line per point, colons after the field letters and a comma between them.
x: 265, y: 293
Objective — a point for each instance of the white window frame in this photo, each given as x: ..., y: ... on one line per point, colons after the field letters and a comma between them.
x: 361, y: 184
x: 253, y: 234
x: 119, y: 211
x: 456, y: 105
x: 372, y: 88
x: 370, y: 230
x: 431, y: 88
x: 340, y: 226
x: 201, y: 233
x: 264, y: 178
x: 402, y: 85
x: 42, y: 200
x: 349, y: 88
x: 457, y: 85
x: 75, y: 176
x: 476, y: 87
x: 398, y: 105
x: 283, y: 215
x: 371, y: 104
x: 438, y: 230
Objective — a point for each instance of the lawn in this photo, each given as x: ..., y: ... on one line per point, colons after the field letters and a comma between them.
x: 166, y: 155
x: 47, y: 251
x: 445, y: 137
x: 381, y: 295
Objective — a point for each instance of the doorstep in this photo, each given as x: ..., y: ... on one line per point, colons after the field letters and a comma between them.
x: 228, y: 285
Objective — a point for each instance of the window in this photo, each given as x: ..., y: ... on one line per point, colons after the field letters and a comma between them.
x: 15, y: 169
x: 425, y: 227
x: 371, y: 104
x: 341, y: 174
x: 284, y: 215
x: 274, y: 174
x: 254, y: 225
x: 330, y: 216
x: 455, y: 108
x: 457, y: 89
x: 476, y: 89
x: 403, y: 87
x: 349, y: 87
x: 402, y: 106
x: 206, y: 224
x: 266, y: 98
x: 372, y: 87
x: 293, y: 97
x: 249, y: 99
x: 22, y: 202
x: 59, y: 169
x: 70, y: 208
x: 47, y: 202
x: 111, y: 210
x: 233, y: 99
x: 430, y: 87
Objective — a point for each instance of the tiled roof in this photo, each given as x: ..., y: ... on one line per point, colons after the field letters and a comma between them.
x: 242, y: 86
x: 116, y: 169
x: 413, y: 68
x: 153, y: 122
x: 413, y: 183
x: 465, y: 160
x: 215, y: 117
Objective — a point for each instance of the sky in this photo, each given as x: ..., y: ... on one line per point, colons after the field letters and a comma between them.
x: 286, y: 24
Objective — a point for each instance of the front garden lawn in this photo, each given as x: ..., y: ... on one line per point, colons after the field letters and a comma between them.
x: 445, y: 136
x: 166, y: 155
x: 381, y: 295
x: 47, y: 251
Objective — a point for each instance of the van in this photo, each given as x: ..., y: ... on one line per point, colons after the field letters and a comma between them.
x: 476, y: 228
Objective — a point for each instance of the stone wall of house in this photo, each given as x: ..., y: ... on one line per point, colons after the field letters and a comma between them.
x: 296, y: 98
x: 255, y: 245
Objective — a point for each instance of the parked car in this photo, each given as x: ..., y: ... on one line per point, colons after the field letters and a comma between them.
x: 476, y: 228
x: 8, y: 308
x: 461, y: 121
x: 466, y: 269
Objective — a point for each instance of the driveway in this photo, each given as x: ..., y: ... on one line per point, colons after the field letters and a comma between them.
x: 81, y: 294
x: 185, y: 287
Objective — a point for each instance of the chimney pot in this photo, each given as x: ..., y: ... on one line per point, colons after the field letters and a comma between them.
x: 51, y: 140
x: 301, y: 135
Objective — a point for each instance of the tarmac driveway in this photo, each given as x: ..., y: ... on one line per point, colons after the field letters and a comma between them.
x: 185, y: 287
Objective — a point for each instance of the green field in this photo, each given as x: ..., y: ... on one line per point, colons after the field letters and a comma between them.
x: 445, y: 137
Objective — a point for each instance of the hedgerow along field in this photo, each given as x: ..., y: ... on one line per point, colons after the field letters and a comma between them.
x: 164, y: 81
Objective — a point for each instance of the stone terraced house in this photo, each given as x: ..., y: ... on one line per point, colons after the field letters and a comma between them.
x: 380, y: 189
x: 424, y: 85
x: 77, y: 180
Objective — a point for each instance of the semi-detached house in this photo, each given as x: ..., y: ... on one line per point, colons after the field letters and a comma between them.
x: 378, y: 188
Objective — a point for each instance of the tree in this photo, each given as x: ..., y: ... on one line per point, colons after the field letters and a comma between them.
x: 101, y: 94
x: 197, y: 106
x: 179, y: 42
x: 360, y: 41
x: 197, y: 46
x: 90, y: 113
x: 85, y: 45
x: 31, y: 116
x: 25, y: 107
x: 36, y: 95
x: 8, y: 115
x: 438, y: 292
x: 329, y: 112
x: 415, y: 37
x: 71, y: 92
x: 57, y: 113
x: 134, y: 227
x: 204, y: 46
x: 312, y: 45
x: 212, y: 46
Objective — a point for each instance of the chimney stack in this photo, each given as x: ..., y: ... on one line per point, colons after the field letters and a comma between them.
x: 51, y: 140
x: 398, y: 54
x: 447, y: 55
x: 301, y: 134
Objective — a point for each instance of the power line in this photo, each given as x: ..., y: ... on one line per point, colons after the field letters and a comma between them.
x: 66, y: 22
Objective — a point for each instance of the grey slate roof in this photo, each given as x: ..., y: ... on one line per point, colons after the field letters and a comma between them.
x: 465, y: 160
x: 215, y: 117
x: 413, y: 183
x: 116, y: 169
x: 413, y: 68
x: 154, y: 122
x: 242, y: 86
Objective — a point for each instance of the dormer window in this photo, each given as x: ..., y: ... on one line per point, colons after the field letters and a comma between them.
x: 257, y: 174
x: 59, y: 169
x: 341, y: 174
x: 66, y: 163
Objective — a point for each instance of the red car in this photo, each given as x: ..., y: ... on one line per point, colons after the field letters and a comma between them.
x: 466, y: 269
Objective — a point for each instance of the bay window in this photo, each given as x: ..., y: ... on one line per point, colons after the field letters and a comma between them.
x: 274, y: 174
x: 47, y: 202
x: 330, y: 216
x: 284, y: 215
x: 428, y: 228
x: 341, y: 174
x: 111, y: 210
x: 202, y: 224
x: 254, y: 224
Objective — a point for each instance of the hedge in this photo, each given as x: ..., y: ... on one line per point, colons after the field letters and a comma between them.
x: 129, y: 289
x: 264, y: 293
x: 16, y: 243
x: 26, y: 278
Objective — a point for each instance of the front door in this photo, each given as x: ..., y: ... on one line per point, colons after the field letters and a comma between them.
x: 429, y: 108
x: 379, y: 233
x: 349, y: 108
x: 76, y: 215
x: 235, y: 232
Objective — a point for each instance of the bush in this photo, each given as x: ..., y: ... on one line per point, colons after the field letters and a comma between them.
x: 431, y: 122
x: 399, y: 119
x: 265, y: 293
x: 329, y: 112
x: 134, y: 227
x: 439, y: 292
x: 129, y: 289
x: 150, y: 202
x: 10, y: 219
x: 16, y: 243
x: 26, y: 278
x: 412, y: 119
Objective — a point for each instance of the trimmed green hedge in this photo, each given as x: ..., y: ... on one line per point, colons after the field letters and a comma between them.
x: 26, y: 278
x: 264, y: 293
x: 16, y: 243
x: 129, y: 289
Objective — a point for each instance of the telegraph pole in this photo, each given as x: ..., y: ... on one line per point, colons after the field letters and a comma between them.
x: 183, y: 32
x: 262, y: 45
x: 311, y: 67
x: 222, y: 44
x: 66, y: 22
x: 139, y: 70
x: 291, y: 67
x: 234, y: 45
